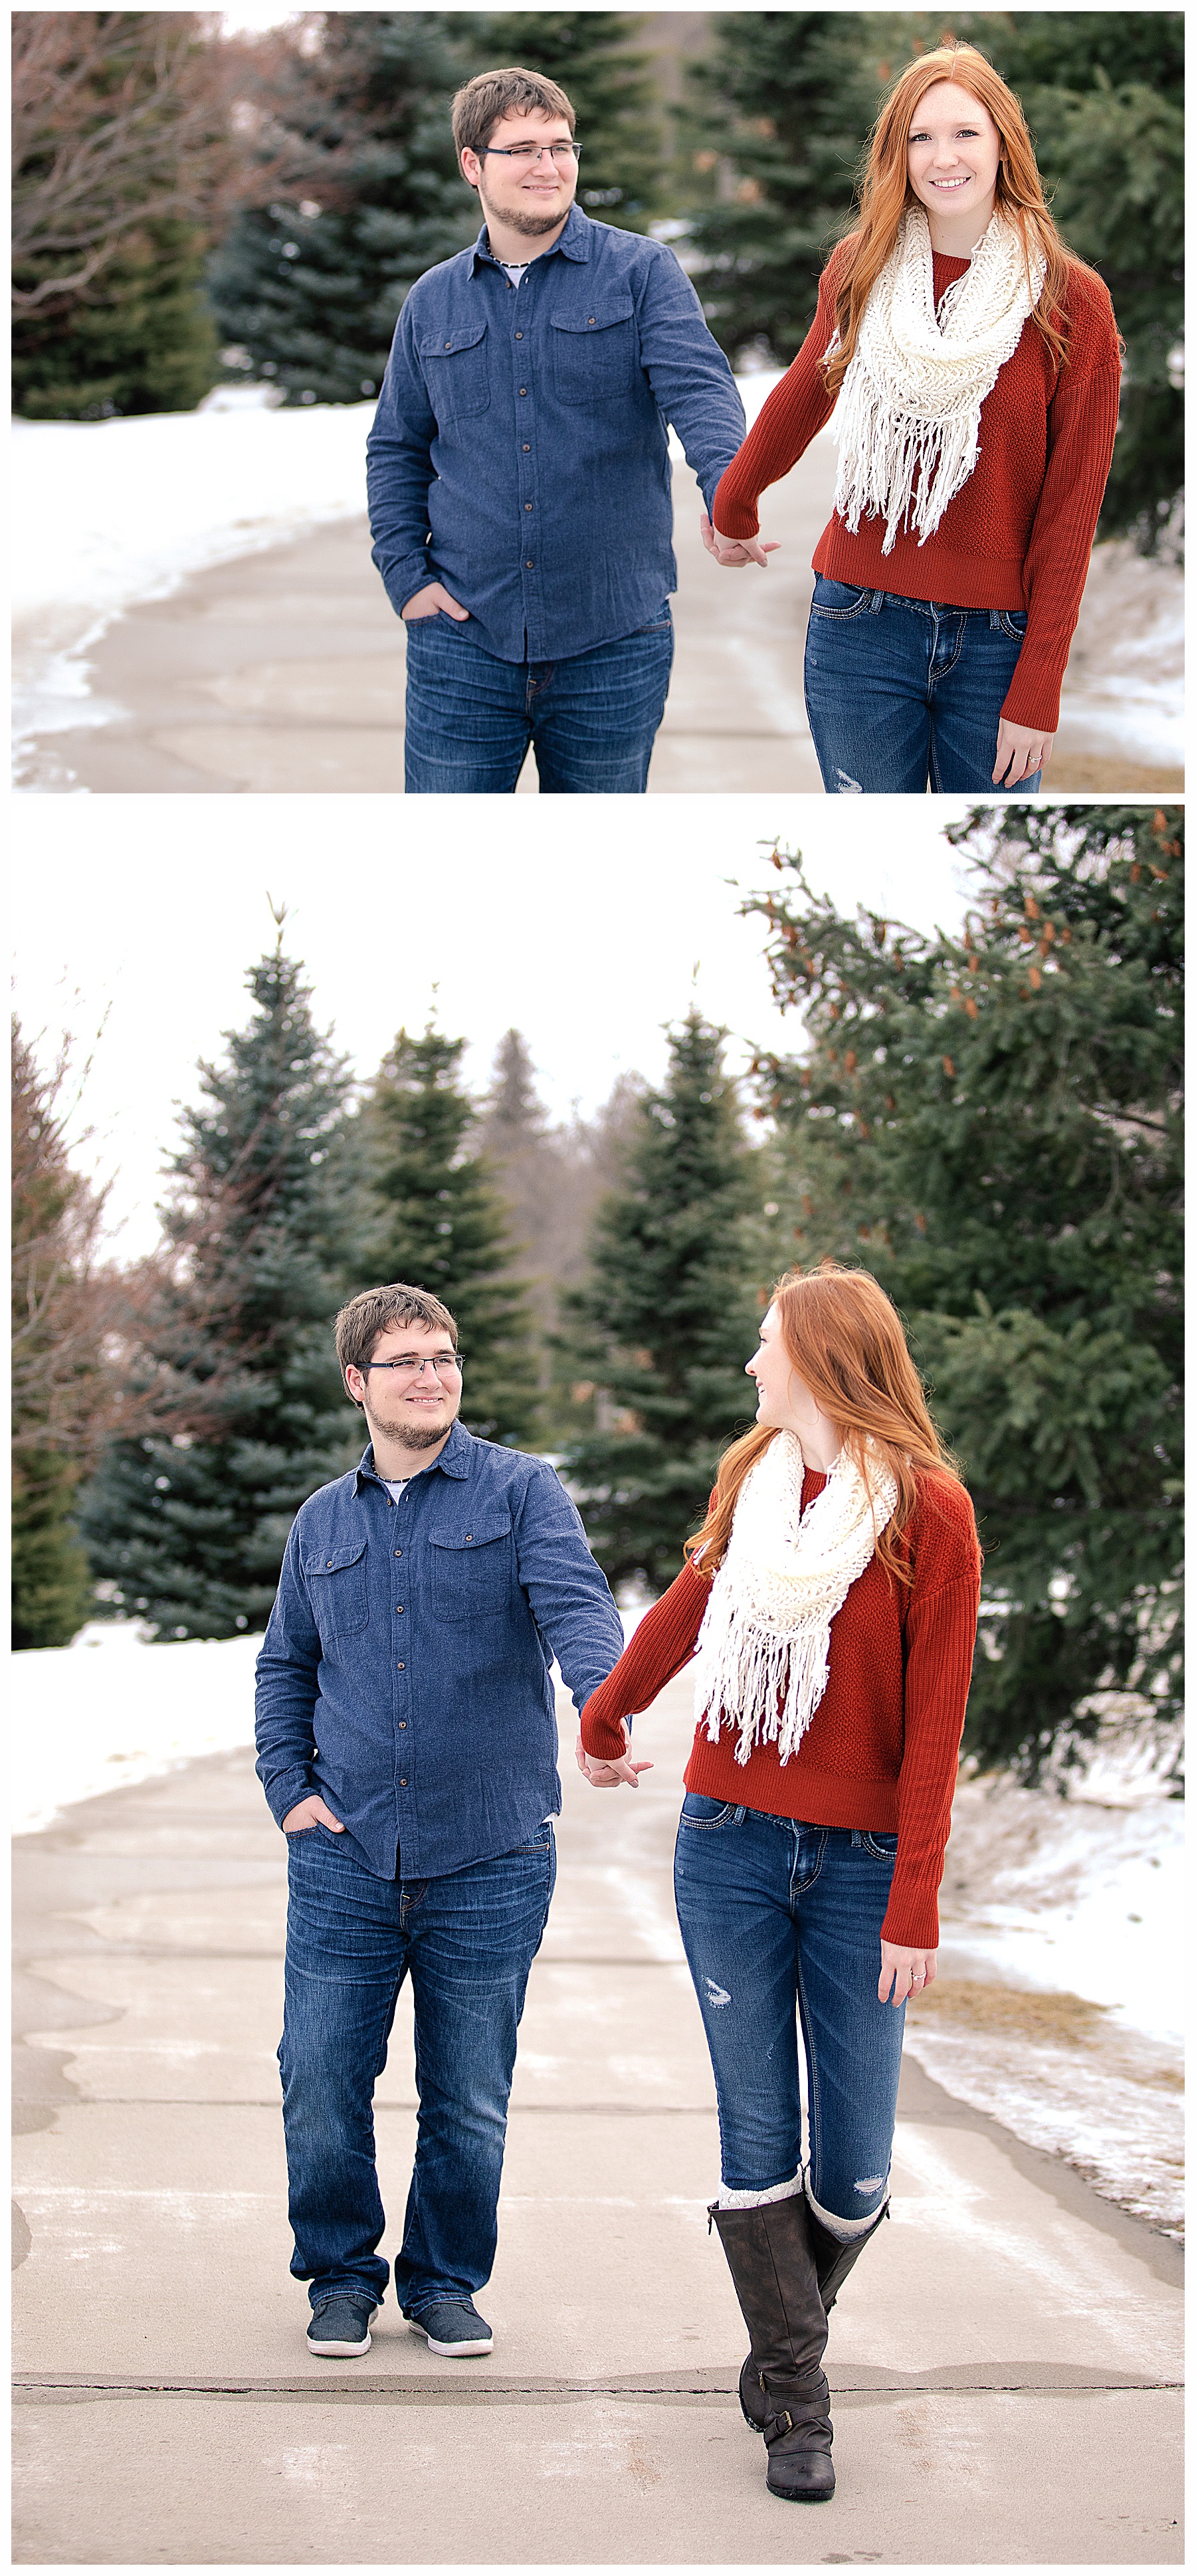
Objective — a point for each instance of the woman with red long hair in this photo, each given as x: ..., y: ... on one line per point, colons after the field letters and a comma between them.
x: 830, y: 1600
x: 972, y: 365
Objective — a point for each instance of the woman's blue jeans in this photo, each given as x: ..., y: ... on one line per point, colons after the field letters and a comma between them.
x: 467, y: 1943
x: 782, y: 1919
x: 907, y: 693
x: 592, y: 718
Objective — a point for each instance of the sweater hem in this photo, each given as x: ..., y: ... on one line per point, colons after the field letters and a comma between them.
x: 799, y: 1795
x: 959, y: 580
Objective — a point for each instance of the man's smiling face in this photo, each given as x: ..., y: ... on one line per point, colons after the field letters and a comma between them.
x: 414, y: 1405
x: 525, y: 196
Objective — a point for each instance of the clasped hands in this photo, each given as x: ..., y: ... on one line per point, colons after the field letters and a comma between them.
x: 732, y: 552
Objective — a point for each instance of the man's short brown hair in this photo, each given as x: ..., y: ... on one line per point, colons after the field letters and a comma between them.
x: 359, y: 1324
x: 484, y: 102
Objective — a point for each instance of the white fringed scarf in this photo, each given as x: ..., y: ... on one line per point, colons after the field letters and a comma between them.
x: 909, y: 405
x: 763, y: 1649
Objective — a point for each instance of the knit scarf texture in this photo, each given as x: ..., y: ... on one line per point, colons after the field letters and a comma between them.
x: 908, y: 413
x: 764, y: 1645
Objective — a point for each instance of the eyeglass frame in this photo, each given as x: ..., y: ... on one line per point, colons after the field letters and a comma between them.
x: 414, y: 1367
x: 529, y: 151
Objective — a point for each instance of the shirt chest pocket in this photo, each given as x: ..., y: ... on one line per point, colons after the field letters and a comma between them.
x: 456, y: 373
x: 595, y: 357
x: 472, y: 1571
x: 336, y: 1588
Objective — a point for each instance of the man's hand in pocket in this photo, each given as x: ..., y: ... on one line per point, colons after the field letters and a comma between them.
x: 309, y: 1812
x: 424, y: 603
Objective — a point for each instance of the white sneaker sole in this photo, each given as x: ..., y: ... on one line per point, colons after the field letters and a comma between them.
x: 342, y: 2351
x: 452, y: 2351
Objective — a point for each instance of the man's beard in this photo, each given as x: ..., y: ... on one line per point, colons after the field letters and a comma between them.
x: 525, y: 220
x: 422, y: 1435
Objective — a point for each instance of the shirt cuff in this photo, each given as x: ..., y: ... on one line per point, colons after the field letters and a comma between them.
x: 413, y: 572
x: 287, y: 1791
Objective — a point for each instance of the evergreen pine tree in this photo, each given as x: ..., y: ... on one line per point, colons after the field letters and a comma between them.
x: 991, y: 1124
x: 53, y: 1217
x: 610, y: 85
x: 122, y: 150
x: 668, y: 1317
x: 310, y: 286
x: 781, y: 106
x: 442, y: 1226
x: 189, y: 1531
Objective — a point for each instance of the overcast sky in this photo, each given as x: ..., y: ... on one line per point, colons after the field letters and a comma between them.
x: 581, y: 923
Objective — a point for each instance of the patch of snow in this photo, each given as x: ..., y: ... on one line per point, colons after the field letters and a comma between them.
x: 113, y: 1708
x: 110, y: 512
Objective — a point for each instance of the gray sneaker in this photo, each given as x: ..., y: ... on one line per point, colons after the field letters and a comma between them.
x: 453, y: 2328
x: 340, y: 2328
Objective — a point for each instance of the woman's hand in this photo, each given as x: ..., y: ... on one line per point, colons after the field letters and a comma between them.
x: 735, y: 550
x: 906, y: 1971
x: 609, y: 1775
x: 1020, y: 751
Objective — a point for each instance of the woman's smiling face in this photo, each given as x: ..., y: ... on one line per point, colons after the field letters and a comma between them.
x: 953, y: 153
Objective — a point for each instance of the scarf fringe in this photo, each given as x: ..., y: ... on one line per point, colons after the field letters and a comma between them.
x: 770, y: 1686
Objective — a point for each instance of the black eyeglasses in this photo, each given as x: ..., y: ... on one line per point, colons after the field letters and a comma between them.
x: 532, y: 151
x: 445, y: 1363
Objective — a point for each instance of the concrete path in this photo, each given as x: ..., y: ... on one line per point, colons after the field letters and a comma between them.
x: 283, y: 673
x: 1006, y: 2358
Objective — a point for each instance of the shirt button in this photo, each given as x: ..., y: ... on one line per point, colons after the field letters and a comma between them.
x: 448, y: 344
x: 526, y: 448
x: 469, y: 1538
x: 591, y: 324
x: 530, y: 567
x: 519, y: 335
x: 402, y: 1784
x: 398, y: 1551
x: 527, y: 505
x: 398, y: 1609
x: 523, y: 389
x: 402, y: 1726
x: 402, y: 1668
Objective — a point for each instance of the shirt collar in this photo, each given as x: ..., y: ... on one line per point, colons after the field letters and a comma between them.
x: 453, y: 1459
x: 574, y: 242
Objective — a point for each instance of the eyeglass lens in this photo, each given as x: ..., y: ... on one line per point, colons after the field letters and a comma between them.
x: 445, y: 1363
x: 533, y: 151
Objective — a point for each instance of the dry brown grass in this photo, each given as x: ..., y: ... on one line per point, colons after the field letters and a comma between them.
x: 1015, y: 2012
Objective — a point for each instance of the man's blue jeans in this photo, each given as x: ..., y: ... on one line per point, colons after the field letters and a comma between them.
x: 592, y: 718
x: 906, y: 693
x: 782, y: 1919
x: 467, y: 1942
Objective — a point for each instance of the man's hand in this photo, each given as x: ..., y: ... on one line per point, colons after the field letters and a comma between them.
x: 424, y: 603
x: 735, y: 550
x: 309, y: 1812
x: 609, y: 1775
x: 1020, y: 751
x: 906, y: 1971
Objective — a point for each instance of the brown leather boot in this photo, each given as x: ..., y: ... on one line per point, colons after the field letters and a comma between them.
x: 782, y: 2391
x: 834, y: 2259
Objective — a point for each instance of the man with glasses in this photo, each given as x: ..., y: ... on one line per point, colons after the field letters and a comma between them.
x: 519, y: 475
x: 407, y: 1747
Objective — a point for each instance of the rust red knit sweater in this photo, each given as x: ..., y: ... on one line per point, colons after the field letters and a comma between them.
x: 1019, y: 534
x: 883, y: 1746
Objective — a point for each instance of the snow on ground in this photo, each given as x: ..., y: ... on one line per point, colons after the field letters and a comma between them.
x: 112, y: 1709
x: 110, y: 512
x: 1059, y: 2006
x: 1059, y: 2003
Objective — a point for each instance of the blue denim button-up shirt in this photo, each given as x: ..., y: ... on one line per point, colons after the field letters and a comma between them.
x: 405, y: 1672
x: 519, y: 452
